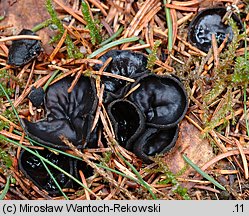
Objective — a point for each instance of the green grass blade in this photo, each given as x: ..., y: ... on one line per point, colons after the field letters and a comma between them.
x: 42, y: 25
x: 9, y: 100
x: 205, y: 175
x: 53, y: 178
x: 6, y: 189
x: 112, y: 44
x: 170, y: 27
x: 245, y: 110
x: 141, y: 181
x: 116, y: 34
x: 148, y: 50
x: 50, y: 80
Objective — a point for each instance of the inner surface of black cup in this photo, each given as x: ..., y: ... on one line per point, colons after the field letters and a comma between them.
x: 162, y: 99
x: 155, y: 141
x: 208, y: 22
x: 128, y: 121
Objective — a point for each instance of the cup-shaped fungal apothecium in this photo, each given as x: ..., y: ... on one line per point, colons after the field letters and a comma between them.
x: 208, y: 22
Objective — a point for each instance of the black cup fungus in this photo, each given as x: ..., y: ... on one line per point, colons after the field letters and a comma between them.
x: 128, y: 122
x: 23, y: 51
x: 208, y: 22
x: 124, y: 63
x: 146, y: 122
x: 155, y: 141
x: 162, y: 99
x: 36, y: 96
x: 67, y: 114
x: 32, y: 167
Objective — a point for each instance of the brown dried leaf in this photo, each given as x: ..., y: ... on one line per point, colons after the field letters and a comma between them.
x: 191, y: 144
x: 25, y: 14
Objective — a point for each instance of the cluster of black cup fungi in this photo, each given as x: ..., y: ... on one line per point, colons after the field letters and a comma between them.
x: 144, y: 114
x: 144, y: 121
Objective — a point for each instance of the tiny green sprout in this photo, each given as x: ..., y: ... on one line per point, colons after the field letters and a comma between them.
x: 152, y: 57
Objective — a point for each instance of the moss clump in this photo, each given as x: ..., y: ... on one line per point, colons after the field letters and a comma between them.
x: 91, y: 24
x: 5, y: 160
x: 72, y: 50
x: 152, y: 57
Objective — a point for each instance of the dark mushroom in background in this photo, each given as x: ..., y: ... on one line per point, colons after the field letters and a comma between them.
x: 128, y: 122
x: 23, y: 51
x: 208, y: 22
x: 67, y: 114
x: 33, y: 169
x: 162, y: 99
x: 124, y: 63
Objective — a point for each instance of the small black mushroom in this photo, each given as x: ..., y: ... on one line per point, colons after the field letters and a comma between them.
x: 124, y: 63
x: 24, y: 50
x: 32, y: 167
x: 208, y: 22
x: 128, y: 122
x: 155, y: 141
x: 162, y: 99
x: 36, y: 96
x: 67, y: 114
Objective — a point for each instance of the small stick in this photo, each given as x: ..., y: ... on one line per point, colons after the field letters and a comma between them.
x: 215, y: 50
x: 19, y: 37
x: 58, y: 46
x: 70, y: 11
x: 187, y: 3
x: 74, y: 82
x: 82, y: 176
x: 245, y: 164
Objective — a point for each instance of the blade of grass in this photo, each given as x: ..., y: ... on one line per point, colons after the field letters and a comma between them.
x: 245, y: 110
x: 9, y: 100
x: 141, y: 181
x: 6, y: 188
x: 53, y: 178
x: 205, y: 175
x: 169, y: 25
x: 42, y: 25
x: 50, y: 80
x: 116, y: 34
x: 112, y: 44
x: 148, y: 50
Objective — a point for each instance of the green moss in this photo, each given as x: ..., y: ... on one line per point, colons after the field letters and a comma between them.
x: 230, y: 72
x: 171, y: 178
x: 5, y: 159
x: 72, y: 50
x: 91, y: 24
x: 222, y: 112
x: 152, y: 57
